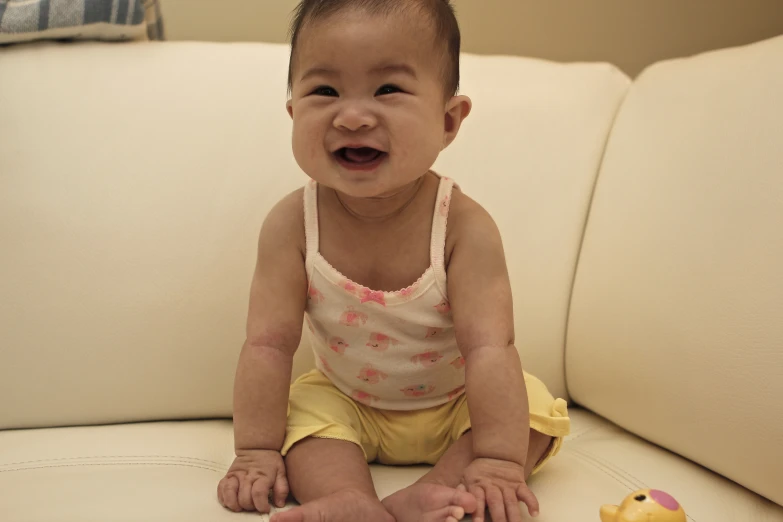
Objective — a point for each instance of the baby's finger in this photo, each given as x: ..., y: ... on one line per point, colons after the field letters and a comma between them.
x: 480, y: 514
x: 497, y: 508
x: 281, y: 489
x: 230, y: 486
x: 260, y: 494
x: 527, y: 496
x: 513, y: 510
x: 246, y: 492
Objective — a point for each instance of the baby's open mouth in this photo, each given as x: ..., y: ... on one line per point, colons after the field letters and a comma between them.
x: 359, y: 155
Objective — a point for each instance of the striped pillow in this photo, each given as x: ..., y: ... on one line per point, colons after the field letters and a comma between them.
x: 28, y: 20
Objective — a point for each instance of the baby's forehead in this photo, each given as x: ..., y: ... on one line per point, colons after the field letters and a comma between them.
x: 358, y: 41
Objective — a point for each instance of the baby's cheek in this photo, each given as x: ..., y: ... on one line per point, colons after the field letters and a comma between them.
x: 307, y: 142
x: 426, y: 141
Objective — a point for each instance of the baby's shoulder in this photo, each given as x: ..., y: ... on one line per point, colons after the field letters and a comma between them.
x: 467, y: 218
x: 466, y: 213
x: 285, y: 221
x: 291, y: 205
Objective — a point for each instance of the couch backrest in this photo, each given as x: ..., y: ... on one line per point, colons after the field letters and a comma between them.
x: 676, y: 328
x: 133, y: 182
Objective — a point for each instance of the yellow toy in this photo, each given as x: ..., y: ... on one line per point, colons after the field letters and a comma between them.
x: 645, y: 505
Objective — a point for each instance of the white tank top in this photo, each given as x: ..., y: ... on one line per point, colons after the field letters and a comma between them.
x: 389, y: 350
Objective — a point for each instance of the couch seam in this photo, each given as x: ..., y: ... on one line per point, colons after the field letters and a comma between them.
x: 623, y: 481
x: 598, y: 460
x: 590, y: 457
x: 579, y: 434
x: 579, y: 250
x: 114, y: 464
x: 194, y: 459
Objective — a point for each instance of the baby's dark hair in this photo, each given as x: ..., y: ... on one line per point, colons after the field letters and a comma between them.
x: 440, y: 13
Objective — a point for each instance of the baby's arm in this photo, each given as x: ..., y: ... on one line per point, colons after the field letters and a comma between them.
x: 480, y: 297
x: 274, y: 327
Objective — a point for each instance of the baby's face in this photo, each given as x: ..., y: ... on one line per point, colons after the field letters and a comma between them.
x: 368, y: 103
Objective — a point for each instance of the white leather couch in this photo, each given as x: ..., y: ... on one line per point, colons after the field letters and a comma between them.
x: 642, y: 222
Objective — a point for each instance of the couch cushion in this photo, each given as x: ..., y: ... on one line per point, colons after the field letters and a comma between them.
x: 676, y: 330
x: 169, y: 471
x: 133, y: 182
x: 529, y: 153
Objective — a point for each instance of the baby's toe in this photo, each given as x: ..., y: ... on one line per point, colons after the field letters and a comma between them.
x: 447, y: 514
x: 464, y: 500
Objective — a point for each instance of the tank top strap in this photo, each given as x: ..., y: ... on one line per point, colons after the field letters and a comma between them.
x: 311, y: 223
x: 438, y: 240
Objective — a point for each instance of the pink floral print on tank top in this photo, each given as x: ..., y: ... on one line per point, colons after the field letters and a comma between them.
x: 389, y: 350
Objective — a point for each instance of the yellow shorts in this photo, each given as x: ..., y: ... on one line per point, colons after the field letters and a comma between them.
x: 318, y: 409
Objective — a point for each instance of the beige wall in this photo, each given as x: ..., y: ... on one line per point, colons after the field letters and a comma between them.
x: 628, y: 33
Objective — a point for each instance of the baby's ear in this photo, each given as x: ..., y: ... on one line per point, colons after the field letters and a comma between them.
x: 289, y: 106
x: 457, y: 109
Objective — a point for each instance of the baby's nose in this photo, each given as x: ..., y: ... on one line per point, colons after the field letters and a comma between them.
x: 354, y: 116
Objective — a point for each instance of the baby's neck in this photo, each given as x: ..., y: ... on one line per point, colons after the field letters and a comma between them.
x: 380, y: 208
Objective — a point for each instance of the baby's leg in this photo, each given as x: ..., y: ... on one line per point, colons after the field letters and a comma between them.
x: 435, y: 496
x: 448, y: 470
x: 406, y: 505
x: 332, y: 481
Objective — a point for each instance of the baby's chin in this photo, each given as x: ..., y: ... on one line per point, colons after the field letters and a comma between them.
x: 386, y: 181
x: 378, y: 189
x: 375, y: 185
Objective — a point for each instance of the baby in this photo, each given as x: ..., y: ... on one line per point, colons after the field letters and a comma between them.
x: 402, y: 281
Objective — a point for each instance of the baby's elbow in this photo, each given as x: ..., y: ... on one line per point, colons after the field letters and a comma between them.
x: 285, y: 341
x: 486, y: 349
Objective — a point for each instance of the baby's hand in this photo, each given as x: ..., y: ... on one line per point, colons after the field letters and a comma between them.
x: 250, y: 478
x: 499, y: 486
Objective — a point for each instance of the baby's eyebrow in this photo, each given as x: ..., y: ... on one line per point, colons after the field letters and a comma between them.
x: 403, y: 68
x: 381, y: 69
x: 317, y: 71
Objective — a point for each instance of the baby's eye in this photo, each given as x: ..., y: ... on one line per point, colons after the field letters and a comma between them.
x: 324, y: 90
x: 388, y: 89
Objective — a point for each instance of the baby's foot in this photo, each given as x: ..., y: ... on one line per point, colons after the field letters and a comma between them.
x: 430, y: 503
x: 343, y: 506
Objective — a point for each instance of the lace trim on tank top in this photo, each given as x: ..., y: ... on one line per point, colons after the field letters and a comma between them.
x: 434, y: 274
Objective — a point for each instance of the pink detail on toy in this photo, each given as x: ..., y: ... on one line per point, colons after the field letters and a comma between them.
x: 314, y: 295
x: 427, y: 359
x: 371, y: 375
x: 664, y: 499
x: 325, y: 365
x: 364, y: 397
x: 338, y: 345
x: 432, y: 332
x: 380, y: 342
x: 443, y: 307
x: 458, y: 363
x: 418, y: 390
x: 372, y: 296
x: 455, y: 392
x: 351, y: 317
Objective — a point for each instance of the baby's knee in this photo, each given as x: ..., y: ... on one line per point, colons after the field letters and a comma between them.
x: 539, y: 448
